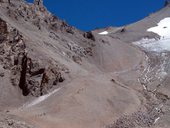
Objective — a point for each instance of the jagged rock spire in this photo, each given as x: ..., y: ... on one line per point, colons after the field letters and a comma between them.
x: 38, y: 2
x: 167, y: 2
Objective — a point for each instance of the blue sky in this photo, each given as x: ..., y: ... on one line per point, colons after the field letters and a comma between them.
x: 90, y: 14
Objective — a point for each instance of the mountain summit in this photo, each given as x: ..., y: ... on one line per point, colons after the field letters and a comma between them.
x: 53, y: 75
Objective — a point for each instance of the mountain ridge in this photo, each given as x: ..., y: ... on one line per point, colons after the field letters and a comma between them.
x: 54, y: 75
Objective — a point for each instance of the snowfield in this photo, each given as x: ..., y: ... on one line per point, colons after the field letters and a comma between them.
x: 104, y: 33
x: 158, y: 45
x: 154, y: 45
x: 163, y: 28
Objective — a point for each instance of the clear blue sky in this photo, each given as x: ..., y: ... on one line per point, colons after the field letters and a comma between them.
x: 91, y: 14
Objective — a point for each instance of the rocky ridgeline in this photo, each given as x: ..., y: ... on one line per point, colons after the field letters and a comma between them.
x: 26, y: 73
x: 31, y: 76
x: 38, y: 15
x: 167, y: 3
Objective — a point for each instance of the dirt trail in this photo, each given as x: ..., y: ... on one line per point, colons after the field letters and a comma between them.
x: 96, y: 95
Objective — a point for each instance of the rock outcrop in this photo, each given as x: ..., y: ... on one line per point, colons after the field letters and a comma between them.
x: 25, y: 70
x: 30, y: 75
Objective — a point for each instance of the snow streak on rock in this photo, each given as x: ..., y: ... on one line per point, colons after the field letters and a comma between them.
x: 104, y: 33
x: 40, y: 99
x: 158, y: 45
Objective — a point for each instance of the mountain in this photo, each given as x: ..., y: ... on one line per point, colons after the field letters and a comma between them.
x: 53, y: 75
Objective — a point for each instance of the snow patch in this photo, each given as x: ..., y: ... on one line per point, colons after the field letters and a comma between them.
x: 156, y: 120
x: 163, y: 28
x: 40, y: 99
x: 158, y: 45
x: 104, y: 33
x: 154, y: 44
x: 159, y: 107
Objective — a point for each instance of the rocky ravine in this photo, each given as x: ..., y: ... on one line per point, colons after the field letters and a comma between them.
x: 54, y: 75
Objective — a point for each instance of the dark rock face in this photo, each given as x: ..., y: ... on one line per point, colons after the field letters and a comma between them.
x: 89, y: 35
x: 167, y: 2
x: 38, y: 2
x: 22, y: 82
x: 3, y: 31
x: 26, y: 73
x: 35, y: 80
x: 2, y: 74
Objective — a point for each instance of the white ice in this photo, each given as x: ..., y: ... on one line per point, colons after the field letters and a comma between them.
x: 156, y: 120
x: 158, y: 45
x: 154, y: 45
x: 104, y: 33
x: 163, y: 28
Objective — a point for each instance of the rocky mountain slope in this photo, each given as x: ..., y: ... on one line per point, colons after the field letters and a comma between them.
x: 53, y: 75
